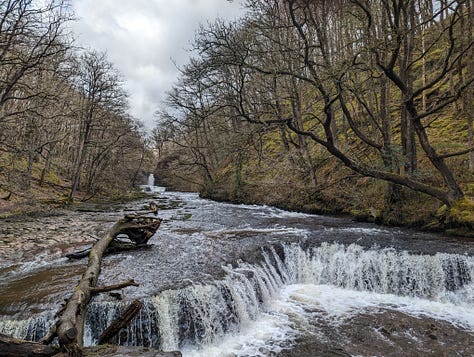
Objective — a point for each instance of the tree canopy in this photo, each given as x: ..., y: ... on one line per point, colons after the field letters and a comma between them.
x: 63, y: 109
x: 382, y: 87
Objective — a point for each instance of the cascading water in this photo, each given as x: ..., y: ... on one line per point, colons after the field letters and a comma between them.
x: 263, y: 303
x: 200, y: 314
x: 269, y: 295
x: 151, y: 180
x: 32, y: 329
x: 382, y: 270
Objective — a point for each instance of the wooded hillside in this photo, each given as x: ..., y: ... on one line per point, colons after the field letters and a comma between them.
x: 355, y: 105
x: 64, y: 125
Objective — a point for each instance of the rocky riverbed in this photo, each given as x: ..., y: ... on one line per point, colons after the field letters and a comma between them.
x: 383, y: 333
x: 44, y: 236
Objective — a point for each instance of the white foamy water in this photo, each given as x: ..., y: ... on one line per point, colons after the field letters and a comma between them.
x: 363, y: 230
x: 152, y: 188
x: 338, y: 304
x: 259, y: 309
x: 333, y: 283
x: 298, y: 304
x: 255, y: 231
x: 268, y: 335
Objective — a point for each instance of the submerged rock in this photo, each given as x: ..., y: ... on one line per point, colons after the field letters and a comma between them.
x: 384, y: 333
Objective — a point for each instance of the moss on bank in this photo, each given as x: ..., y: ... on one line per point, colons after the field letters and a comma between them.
x: 456, y: 220
x: 414, y: 210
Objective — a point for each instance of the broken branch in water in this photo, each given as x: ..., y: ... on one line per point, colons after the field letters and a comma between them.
x: 70, y: 325
x: 122, y: 321
x: 137, y: 228
x: 10, y: 346
x: 104, y: 289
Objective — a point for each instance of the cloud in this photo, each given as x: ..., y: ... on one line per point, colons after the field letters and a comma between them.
x: 143, y: 38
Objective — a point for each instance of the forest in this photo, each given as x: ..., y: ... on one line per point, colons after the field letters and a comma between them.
x: 65, y: 131
x: 355, y: 106
x: 354, y: 111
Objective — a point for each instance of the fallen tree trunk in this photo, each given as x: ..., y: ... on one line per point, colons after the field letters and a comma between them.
x: 115, y: 246
x: 138, y: 229
x: 70, y: 325
x: 14, y: 347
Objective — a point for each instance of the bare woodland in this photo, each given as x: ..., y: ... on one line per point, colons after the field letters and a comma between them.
x: 299, y: 94
x: 63, y: 109
x: 385, y: 88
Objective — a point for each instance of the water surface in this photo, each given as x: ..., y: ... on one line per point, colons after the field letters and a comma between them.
x: 247, y: 280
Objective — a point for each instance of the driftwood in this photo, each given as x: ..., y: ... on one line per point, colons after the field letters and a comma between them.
x: 70, y: 325
x: 69, y: 328
x: 115, y: 246
x: 139, y: 230
x: 122, y: 321
x: 14, y: 347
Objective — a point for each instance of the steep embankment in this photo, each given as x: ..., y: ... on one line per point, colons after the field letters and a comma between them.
x: 42, y: 191
x: 279, y: 177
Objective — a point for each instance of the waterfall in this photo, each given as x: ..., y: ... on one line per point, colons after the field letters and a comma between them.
x: 200, y: 314
x: 32, y: 329
x: 151, y: 180
x: 381, y: 270
x: 197, y: 314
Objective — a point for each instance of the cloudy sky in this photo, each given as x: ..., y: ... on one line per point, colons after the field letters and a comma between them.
x: 143, y: 38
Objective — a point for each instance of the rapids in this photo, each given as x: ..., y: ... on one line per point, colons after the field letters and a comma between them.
x: 246, y: 280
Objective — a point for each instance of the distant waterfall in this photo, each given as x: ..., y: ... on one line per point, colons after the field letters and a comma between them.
x: 151, y: 180
x: 202, y: 313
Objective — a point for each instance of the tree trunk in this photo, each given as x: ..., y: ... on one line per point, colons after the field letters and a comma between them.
x: 46, y: 167
x: 303, y: 144
x: 81, y: 156
x: 470, y: 92
x: 12, y: 347
x: 70, y: 325
x: 407, y: 127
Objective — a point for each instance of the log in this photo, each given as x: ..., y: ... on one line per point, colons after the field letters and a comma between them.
x: 122, y: 321
x: 79, y: 254
x: 70, y: 324
x: 138, y: 229
x: 105, y: 289
x: 69, y: 327
x: 115, y: 246
x: 13, y: 347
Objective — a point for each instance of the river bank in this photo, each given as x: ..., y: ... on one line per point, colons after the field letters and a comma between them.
x: 39, y: 231
x: 425, y: 216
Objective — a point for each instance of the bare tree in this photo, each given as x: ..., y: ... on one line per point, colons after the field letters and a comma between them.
x: 30, y: 37
x: 365, y: 104
x: 100, y: 85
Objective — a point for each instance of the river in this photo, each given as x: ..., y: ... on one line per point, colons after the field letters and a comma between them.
x: 245, y: 280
